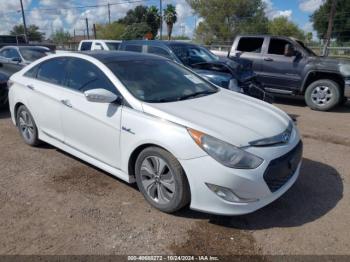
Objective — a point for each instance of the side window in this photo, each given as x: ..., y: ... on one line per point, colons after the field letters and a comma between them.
x: 99, y: 46
x: 277, y: 46
x: 3, y: 53
x: 83, y: 76
x: 134, y: 48
x: 12, y: 53
x: 158, y: 51
x: 85, y: 46
x: 250, y: 44
x: 32, y: 73
x: 52, y: 71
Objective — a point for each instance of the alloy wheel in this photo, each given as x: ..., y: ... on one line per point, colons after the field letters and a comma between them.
x: 157, y: 179
x: 321, y: 95
x: 26, y: 125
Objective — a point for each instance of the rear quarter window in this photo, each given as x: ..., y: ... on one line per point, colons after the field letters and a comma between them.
x: 250, y: 44
x: 85, y: 46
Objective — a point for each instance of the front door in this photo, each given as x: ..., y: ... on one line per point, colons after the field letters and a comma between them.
x: 278, y: 70
x: 91, y: 128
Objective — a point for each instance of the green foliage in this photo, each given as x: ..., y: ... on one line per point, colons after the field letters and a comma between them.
x: 113, y: 31
x: 181, y: 37
x: 224, y: 19
x: 283, y: 27
x: 33, y: 32
x: 141, y: 15
x: 61, y: 36
x: 341, y: 28
x: 136, y: 31
x: 170, y: 18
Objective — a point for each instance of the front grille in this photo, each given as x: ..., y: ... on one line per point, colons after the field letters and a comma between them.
x: 281, y: 169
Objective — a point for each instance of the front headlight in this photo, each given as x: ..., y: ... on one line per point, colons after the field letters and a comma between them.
x: 225, y: 153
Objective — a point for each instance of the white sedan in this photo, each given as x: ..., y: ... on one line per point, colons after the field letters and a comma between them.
x: 144, y: 118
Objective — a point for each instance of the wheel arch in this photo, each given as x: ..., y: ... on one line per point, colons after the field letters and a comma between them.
x: 17, y: 105
x: 313, y: 76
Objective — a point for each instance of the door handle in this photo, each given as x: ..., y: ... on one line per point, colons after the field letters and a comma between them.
x: 268, y: 59
x: 30, y: 87
x: 66, y: 103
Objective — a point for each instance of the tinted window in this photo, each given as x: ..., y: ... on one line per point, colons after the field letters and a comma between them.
x: 32, y: 54
x: 85, y: 46
x: 52, y: 71
x: 277, y: 46
x: 10, y: 53
x: 158, y: 51
x: 84, y: 76
x: 113, y: 45
x: 250, y: 44
x: 133, y: 48
x: 32, y: 72
x: 157, y: 81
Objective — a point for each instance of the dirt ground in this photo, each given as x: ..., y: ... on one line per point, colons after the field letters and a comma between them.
x: 52, y: 203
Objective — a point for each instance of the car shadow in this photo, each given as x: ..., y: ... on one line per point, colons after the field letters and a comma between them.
x: 4, y: 113
x: 317, y: 191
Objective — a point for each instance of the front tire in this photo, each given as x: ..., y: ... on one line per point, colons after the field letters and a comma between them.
x: 162, y: 180
x: 26, y: 126
x: 323, y: 95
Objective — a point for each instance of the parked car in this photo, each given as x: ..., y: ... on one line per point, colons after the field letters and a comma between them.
x: 234, y: 74
x: 3, y: 90
x: 286, y: 66
x: 145, y: 118
x: 99, y: 44
x: 14, y: 58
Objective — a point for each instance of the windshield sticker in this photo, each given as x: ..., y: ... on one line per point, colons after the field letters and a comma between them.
x: 194, y: 79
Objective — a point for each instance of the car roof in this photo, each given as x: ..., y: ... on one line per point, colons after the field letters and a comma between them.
x: 158, y: 43
x: 26, y: 46
x: 111, y: 56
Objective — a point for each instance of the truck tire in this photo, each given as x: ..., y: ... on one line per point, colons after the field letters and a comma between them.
x: 323, y: 95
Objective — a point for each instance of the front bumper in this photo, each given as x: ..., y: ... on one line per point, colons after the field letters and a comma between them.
x: 247, y: 184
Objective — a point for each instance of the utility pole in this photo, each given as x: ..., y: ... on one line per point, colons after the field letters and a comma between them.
x: 24, y: 23
x: 330, y: 28
x: 94, y: 28
x: 109, y: 13
x: 87, y: 27
x: 161, y: 20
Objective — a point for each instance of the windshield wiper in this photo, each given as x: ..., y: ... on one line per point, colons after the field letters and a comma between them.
x: 197, y: 94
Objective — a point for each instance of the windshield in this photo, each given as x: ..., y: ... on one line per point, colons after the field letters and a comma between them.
x: 308, y: 50
x: 191, y: 55
x: 159, y: 81
x: 32, y: 54
x: 113, y: 45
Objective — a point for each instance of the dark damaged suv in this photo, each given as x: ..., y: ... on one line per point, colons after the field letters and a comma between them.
x: 286, y: 66
x: 235, y: 74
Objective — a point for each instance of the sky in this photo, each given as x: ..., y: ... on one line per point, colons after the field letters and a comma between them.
x: 51, y: 15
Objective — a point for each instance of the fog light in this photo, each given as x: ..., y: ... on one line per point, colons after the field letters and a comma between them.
x: 227, y: 194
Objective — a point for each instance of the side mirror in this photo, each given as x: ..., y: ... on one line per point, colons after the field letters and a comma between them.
x: 16, y: 60
x: 289, y: 50
x: 100, y: 95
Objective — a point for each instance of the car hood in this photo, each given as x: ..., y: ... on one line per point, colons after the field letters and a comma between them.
x: 229, y: 116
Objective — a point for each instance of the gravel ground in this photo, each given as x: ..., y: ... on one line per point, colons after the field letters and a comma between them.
x: 52, y: 203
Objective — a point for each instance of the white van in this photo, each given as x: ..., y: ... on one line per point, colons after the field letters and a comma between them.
x: 87, y: 45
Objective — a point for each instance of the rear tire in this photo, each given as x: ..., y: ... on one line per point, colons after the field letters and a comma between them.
x: 162, y: 180
x: 323, y: 95
x: 26, y: 126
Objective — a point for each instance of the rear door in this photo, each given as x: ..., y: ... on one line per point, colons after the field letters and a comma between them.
x: 278, y: 70
x: 45, y: 84
x: 251, y: 48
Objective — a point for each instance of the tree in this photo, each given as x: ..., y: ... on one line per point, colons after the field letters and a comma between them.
x: 170, y: 18
x: 33, y: 32
x: 223, y: 19
x: 142, y: 15
x: 282, y: 26
x: 61, y: 36
x: 112, y: 31
x: 136, y: 31
x: 341, y: 26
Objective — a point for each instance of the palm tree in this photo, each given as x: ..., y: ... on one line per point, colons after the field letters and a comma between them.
x: 170, y: 17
